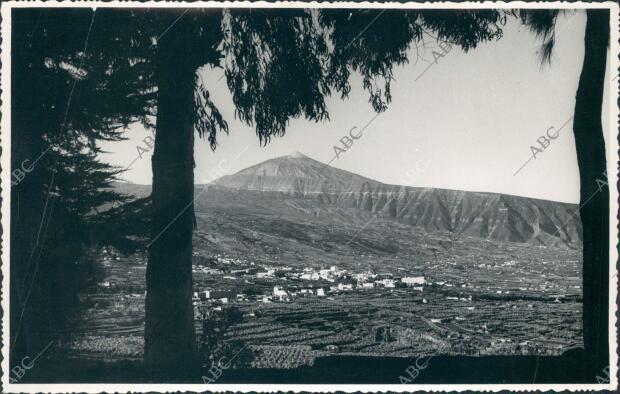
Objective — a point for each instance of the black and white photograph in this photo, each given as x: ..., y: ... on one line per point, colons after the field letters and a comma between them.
x: 309, y: 196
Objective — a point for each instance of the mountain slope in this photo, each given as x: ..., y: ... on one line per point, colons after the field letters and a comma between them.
x: 295, y: 173
x: 295, y: 198
x: 460, y: 213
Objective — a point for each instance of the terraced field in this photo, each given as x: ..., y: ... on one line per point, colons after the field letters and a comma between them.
x: 481, y: 298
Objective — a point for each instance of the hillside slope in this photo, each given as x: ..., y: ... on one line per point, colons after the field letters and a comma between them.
x: 294, y: 208
x: 313, y: 186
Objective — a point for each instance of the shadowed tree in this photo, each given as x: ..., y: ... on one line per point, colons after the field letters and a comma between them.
x: 279, y: 65
x: 67, y: 94
x: 591, y: 158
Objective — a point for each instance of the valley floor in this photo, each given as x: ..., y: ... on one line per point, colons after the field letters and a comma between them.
x: 477, y: 305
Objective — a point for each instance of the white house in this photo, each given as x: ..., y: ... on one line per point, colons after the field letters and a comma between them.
x: 387, y: 282
x: 320, y: 292
x: 413, y: 280
x: 268, y: 274
x: 279, y: 293
x: 310, y: 276
x: 325, y: 273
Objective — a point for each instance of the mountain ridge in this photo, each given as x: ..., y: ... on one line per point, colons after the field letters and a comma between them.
x: 480, y: 214
x: 309, y: 187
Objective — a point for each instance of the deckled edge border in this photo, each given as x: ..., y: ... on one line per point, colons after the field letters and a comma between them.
x: 302, y: 388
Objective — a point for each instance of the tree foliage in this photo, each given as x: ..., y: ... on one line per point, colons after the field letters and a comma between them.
x: 542, y: 23
x: 69, y: 92
x: 283, y: 64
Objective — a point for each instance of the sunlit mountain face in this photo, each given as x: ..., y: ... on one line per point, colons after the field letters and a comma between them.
x: 321, y: 192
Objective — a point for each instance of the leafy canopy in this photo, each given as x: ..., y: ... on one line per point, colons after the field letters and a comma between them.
x: 282, y: 64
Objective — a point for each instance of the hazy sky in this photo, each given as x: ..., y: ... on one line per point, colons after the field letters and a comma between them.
x: 467, y: 123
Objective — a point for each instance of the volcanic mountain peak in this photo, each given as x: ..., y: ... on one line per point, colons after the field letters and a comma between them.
x: 297, y: 155
x: 317, y: 191
x: 294, y: 172
x: 294, y: 164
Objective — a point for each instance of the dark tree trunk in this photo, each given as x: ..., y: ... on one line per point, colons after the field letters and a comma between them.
x: 170, y: 345
x: 594, y: 208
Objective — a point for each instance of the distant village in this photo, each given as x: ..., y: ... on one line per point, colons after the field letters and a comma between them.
x: 478, y: 307
x: 328, y: 281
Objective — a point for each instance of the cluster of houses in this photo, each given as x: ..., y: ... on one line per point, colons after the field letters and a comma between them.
x: 342, y: 281
x: 362, y: 281
x: 288, y: 283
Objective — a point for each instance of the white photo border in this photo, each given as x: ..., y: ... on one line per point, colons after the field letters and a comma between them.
x: 5, y: 162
